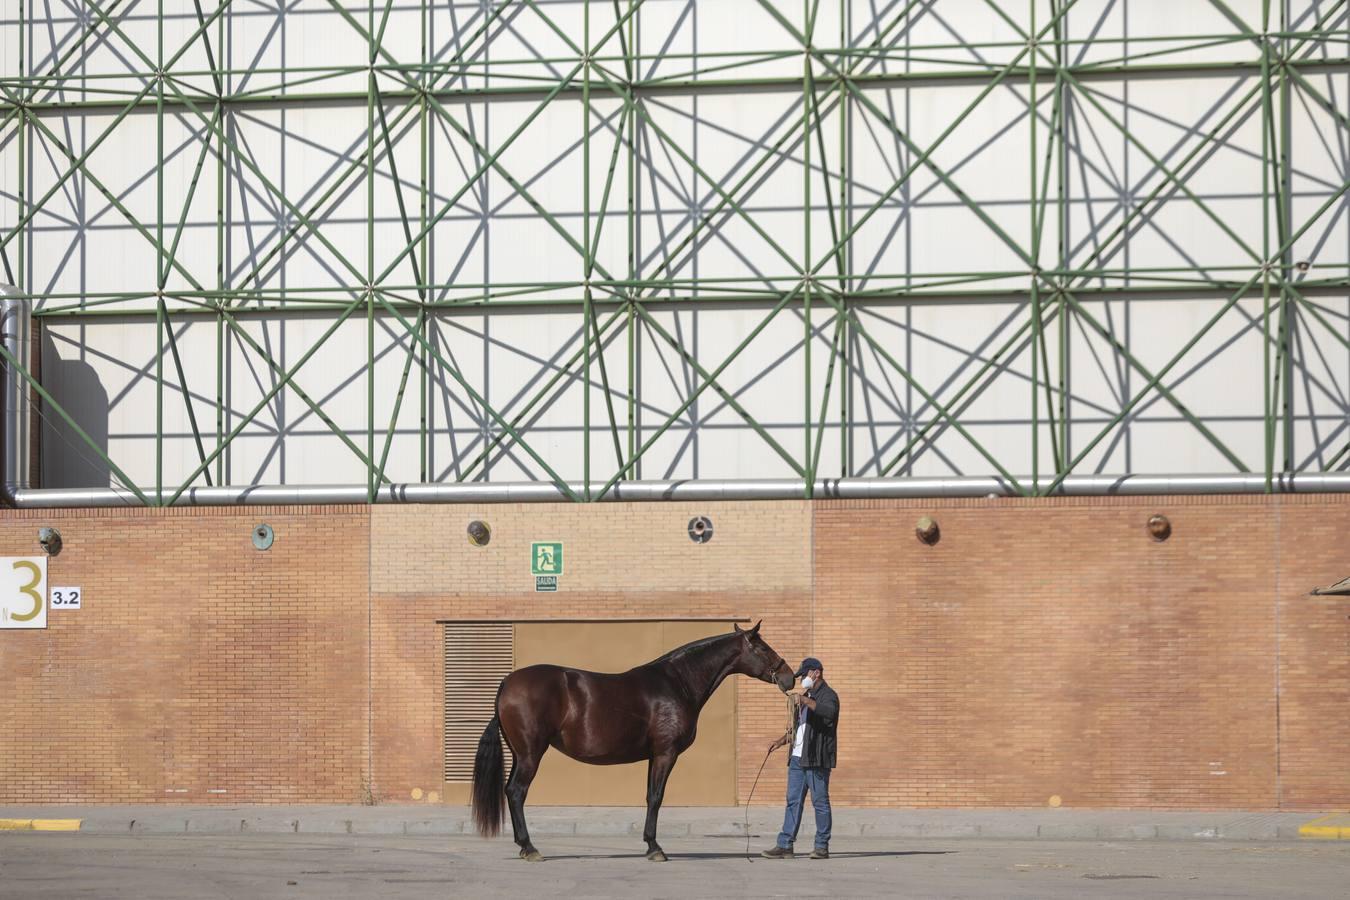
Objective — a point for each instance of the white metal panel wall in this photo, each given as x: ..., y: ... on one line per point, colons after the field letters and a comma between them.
x: 239, y: 233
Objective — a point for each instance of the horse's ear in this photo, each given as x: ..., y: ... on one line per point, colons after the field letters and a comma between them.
x: 737, y: 627
x: 755, y: 630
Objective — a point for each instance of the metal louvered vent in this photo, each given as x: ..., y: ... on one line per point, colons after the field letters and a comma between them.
x: 478, y: 655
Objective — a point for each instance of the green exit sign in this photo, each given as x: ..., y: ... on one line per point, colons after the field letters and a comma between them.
x: 546, y: 558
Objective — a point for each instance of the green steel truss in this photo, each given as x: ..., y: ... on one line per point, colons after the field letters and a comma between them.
x: 843, y: 80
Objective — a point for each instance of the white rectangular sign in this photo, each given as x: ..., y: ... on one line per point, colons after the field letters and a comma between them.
x: 66, y: 597
x: 23, y: 591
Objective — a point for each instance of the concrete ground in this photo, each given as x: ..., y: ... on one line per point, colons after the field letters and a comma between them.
x: 188, y: 866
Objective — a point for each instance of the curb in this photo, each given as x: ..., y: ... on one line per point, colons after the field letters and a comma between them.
x: 40, y: 824
x: 1335, y: 827
x: 947, y: 825
x: 422, y: 826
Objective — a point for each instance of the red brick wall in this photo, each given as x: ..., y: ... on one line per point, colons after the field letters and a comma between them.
x: 1312, y: 540
x: 1041, y: 648
x: 196, y: 664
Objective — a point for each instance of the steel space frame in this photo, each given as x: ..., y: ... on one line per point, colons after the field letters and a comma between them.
x: 838, y: 76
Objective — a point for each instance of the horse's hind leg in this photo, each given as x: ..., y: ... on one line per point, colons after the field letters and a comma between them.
x: 517, y: 786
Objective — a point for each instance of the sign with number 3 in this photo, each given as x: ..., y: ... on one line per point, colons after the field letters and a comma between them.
x: 23, y: 592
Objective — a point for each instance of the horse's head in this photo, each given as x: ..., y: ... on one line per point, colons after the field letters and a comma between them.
x: 758, y: 659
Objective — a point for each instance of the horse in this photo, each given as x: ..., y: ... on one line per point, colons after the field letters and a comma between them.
x: 649, y: 712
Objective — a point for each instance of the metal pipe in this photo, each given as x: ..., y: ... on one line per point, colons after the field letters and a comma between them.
x: 16, y: 330
x: 694, y: 491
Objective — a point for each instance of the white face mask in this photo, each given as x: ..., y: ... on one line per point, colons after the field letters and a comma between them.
x: 807, y: 682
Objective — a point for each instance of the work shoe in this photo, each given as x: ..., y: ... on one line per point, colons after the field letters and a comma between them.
x: 820, y: 853
x: 777, y: 853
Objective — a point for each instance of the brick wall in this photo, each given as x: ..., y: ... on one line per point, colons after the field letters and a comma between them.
x: 1040, y: 649
x: 198, y: 669
x: 1312, y: 539
x: 1043, y: 650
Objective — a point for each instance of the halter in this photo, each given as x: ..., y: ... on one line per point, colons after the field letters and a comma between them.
x: 769, y: 672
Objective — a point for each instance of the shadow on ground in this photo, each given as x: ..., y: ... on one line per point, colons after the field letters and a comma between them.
x: 754, y: 855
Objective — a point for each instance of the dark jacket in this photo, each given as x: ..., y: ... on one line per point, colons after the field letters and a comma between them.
x: 818, y: 744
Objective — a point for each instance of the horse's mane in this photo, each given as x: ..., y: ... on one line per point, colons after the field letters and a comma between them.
x: 691, y: 648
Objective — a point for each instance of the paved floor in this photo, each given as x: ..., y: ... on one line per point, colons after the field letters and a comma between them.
x: 185, y: 867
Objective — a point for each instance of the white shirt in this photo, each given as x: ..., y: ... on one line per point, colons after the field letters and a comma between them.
x: 801, y: 731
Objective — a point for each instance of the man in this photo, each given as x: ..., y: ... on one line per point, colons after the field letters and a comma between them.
x: 813, y: 751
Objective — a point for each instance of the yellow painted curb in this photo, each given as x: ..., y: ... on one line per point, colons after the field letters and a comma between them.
x: 1335, y: 827
x: 57, y: 824
x: 40, y: 824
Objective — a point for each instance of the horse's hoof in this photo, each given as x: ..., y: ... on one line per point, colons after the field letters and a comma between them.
x: 531, y: 855
x: 656, y: 856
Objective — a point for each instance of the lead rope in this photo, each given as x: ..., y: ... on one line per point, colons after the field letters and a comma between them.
x: 791, y: 720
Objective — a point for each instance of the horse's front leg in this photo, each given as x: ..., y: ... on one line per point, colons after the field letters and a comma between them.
x: 658, y: 771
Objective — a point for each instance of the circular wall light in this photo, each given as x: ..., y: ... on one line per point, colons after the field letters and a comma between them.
x: 479, y: 533
x: 927, y: 531
x: 700, y: 529
x: 263, y: 536
x: 1159, y: 528
x: 50, y: 539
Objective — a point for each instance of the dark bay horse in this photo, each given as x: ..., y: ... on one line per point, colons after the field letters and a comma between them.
x: 649, y: 712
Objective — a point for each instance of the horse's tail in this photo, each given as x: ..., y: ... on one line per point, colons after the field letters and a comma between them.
x: 488, y: 781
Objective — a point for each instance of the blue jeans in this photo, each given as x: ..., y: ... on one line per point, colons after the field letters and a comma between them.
x: 799, y: 782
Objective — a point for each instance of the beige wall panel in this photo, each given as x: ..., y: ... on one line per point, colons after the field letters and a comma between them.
x: 638, y: 548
